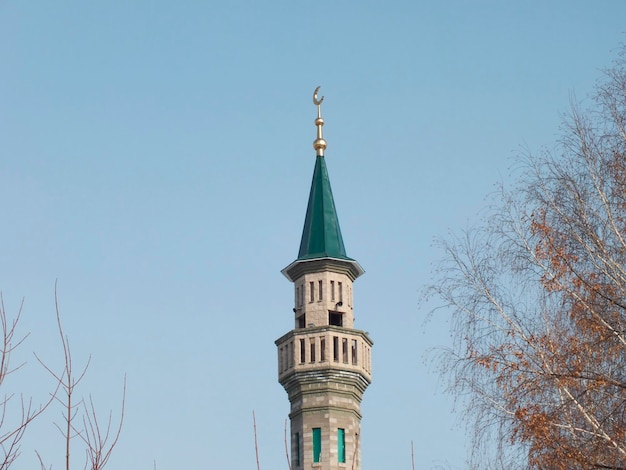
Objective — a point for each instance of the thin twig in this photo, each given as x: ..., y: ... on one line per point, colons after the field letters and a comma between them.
x: 356, y: 447
x: 256, y: 443
x: 286, y: 448
x: 100, y: 444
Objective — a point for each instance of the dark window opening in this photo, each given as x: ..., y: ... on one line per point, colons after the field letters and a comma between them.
x: 335, y: 348
x: 322, y: 349
x: 355, y: 345
x: 312, y: 349
x: 344, y: 344
x: 302, y: 321
x: 297, y: 449
x: 302, y: 352
x: 335, y: 318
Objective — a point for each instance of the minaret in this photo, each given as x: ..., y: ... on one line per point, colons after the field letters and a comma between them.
x: 324, y: 364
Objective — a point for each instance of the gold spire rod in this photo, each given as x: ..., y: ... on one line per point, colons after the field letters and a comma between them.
x: 319, y: 144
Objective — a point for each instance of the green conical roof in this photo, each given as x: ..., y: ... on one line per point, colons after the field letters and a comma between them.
x: 321, y: 236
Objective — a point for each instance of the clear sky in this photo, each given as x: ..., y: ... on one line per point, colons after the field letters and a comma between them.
x: 155, y: 158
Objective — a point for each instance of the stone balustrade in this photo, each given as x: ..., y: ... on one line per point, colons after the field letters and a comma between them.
x: 324, y: 347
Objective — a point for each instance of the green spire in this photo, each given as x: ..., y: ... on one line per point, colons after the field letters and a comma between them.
x: 321, y: 237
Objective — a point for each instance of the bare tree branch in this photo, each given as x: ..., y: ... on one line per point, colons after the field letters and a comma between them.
x: 11, y: 435
x: 256, y: 443
x: 287, y: 448
x: 99, y: 441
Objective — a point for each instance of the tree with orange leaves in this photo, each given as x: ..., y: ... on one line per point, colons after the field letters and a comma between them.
x: 538, y: 295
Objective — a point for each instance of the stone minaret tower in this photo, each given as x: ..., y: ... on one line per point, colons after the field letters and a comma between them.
x: 324, y: 363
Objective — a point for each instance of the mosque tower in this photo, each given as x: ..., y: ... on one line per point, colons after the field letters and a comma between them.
x: 324, y: 363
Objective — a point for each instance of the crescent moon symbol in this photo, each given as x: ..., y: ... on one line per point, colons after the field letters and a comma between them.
x: 317, y: 102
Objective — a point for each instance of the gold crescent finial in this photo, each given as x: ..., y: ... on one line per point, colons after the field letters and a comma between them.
x: 317, y: 102
x: 319, y: 144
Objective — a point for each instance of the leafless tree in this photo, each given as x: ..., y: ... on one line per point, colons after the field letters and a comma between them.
x: 12, y: 430
x: 80, y: 419
x: 538, y: 297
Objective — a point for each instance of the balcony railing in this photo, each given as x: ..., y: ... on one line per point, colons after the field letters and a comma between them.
x: 324, y: 347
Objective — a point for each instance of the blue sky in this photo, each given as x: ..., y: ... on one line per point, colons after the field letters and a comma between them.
x: 155, y: 158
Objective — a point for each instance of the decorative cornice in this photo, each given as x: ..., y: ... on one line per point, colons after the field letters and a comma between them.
x: 300, y: 267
